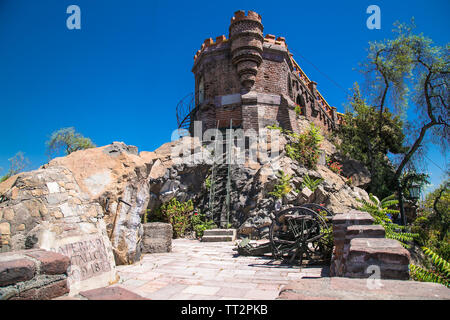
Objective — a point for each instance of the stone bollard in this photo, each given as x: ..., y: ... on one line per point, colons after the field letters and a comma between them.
x: 157, y: 237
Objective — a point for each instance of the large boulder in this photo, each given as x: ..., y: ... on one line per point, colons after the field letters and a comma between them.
x: 115, y: 177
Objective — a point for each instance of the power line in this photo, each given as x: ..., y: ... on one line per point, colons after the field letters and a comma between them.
x: 433, y: 163
x: 324, y: 74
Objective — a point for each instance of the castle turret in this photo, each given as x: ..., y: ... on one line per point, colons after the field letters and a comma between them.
x: 246, y: 35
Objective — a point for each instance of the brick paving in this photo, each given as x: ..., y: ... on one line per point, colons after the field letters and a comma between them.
x: 197, y: 270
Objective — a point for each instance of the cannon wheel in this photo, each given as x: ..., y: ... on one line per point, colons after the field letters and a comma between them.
x: 325, y: 213
x: 299, y: 232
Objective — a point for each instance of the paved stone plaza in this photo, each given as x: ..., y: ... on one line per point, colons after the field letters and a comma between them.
x: 197, y: 270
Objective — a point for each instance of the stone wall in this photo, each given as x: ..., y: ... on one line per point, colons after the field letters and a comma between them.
x: 33, y: 275
x: 361, y: 249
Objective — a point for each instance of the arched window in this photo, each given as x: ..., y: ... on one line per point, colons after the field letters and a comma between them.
x: 201, y: 91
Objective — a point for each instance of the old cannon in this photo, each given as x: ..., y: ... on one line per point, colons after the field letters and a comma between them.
x: 300, y: 234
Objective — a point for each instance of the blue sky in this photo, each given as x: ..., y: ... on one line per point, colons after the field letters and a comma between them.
x: 120, y: 77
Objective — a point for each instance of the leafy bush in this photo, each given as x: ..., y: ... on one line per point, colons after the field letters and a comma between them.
x: 381, y: 212
x: 200, y: 223
x: 178, y: 214
x: 439, y: 272
x: 298, y: 110
x: 311, y: 183
x: 335, y: 166
x: 304, y: 147
x: 283, y: 186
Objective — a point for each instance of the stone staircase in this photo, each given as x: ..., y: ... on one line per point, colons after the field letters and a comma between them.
x: 360, y: 247
x: 219, y: 235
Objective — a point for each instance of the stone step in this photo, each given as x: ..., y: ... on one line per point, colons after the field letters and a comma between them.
x: 386, y: 254
x: 220, y: 232
x: 217, y: 238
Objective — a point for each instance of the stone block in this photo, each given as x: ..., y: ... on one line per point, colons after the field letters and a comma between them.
x: 15, y: 268
x: 51, y: 262
x: 157, y: 237
x: 353, y: 217
x: 364, y: 231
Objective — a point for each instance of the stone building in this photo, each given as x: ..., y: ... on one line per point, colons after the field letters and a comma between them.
x: 253, y: 81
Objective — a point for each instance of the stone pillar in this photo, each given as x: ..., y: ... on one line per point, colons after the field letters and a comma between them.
x: 246, y: 36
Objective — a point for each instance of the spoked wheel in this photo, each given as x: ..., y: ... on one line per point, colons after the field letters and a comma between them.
x: 298, y: 233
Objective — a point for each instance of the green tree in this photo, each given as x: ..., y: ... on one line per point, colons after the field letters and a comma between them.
x: 67, y: 140
x: 17, y: 164
x: 361, y: 139
x: 433, y: 220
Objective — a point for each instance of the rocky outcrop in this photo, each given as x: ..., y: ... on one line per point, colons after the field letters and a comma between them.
x: 117, y: 179
x: 102, y: 193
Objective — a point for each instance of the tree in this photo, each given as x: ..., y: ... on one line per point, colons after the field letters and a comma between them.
x: 395, y: 66
x: 17, y: 164
x: 362, y: 139
x: 68, y: 141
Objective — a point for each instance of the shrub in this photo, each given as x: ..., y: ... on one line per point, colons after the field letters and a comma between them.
x: 298, y: 110
x: 304, y: 147
x: 200, y: 223
x: 178, y: 214
x: 335, y: 166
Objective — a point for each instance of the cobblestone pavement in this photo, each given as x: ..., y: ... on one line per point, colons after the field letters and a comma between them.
x: 197, y: 270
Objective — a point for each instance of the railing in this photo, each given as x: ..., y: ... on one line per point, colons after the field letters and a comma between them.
x: 183, y: 111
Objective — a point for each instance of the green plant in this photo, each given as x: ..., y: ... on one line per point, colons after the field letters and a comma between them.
x: 208, y: 183
x: 349, y: 181
x: 283, y: 186
x: 311, y: 183
x: 335, y: 166
x: 177, y: 213
x: 439, y: 272
x: 200, y: 223
x: 381, y: 212
x: 298, y: 110
x: 275, y: 127
x: 304, y: 147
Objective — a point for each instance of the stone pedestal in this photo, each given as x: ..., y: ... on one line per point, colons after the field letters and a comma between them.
x: 157, y: 237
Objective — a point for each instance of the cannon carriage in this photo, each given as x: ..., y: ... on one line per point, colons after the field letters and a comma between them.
x: 296, y: 235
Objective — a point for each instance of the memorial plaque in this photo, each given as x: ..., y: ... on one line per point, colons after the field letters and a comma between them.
x: 91, y: 262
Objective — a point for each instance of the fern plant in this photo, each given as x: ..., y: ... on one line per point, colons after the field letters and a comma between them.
x: 311, y: 183
x: 438, y: 273
x: 382, y: 213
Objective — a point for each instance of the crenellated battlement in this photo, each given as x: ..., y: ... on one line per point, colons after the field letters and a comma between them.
x: 280, y: 41
x: 240, y: 15
x: 210, y: 43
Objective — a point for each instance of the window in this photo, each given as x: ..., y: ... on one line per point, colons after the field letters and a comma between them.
x: 201, y: 91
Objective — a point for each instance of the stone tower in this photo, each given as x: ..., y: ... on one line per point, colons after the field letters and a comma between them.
x: 252, y: 81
